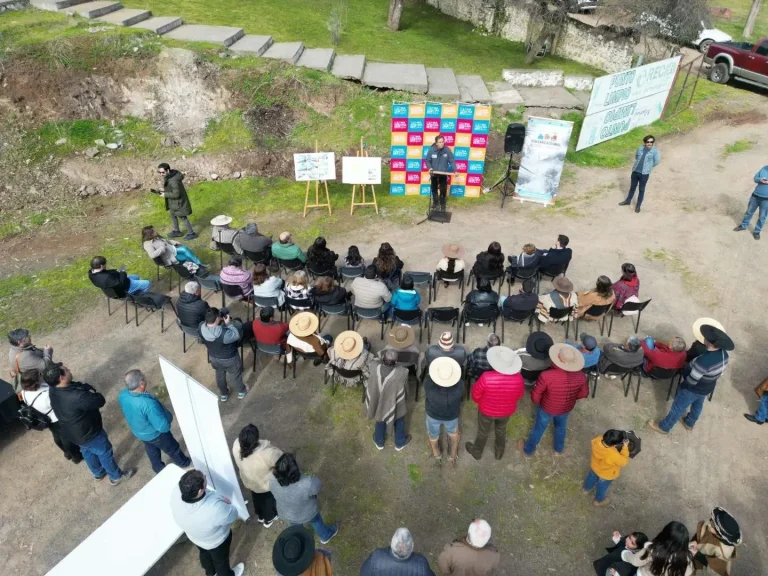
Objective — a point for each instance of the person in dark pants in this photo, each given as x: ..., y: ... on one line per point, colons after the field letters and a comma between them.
x: 439, y: 159
x: 612, y: 561
x: 255, y: 458
x: 646, y: 159
x: 759, y: 199
x: 176, y: 201
x: 206, y: 518
x: 223, y: 343
x: 150, y: 422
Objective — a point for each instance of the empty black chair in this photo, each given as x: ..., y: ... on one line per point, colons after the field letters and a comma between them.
x: 350, y: 273
x: 193, y: 331
x: 159, y: 261
x: 595, y: 311
x: 152, y: 302
x: 212, y: 284
x: 344, y: 373
x: 475, y: 315
x: 442, y: 315
x: 551, y: 272
x: 518, y: 316
x: 450, y: 277
x: 288, y: 266
x: 235, y: 292
x: 334, y: 310
x: 629, y: 307
x: 225, y: 248
x: 359, y: 314
x: 409, y: 317
x: 272, y: 350
x: 420, y: 279
x: 264, y: 301
x: 315, y: 273
x: 183, y: 273
x: 264, y: 257
x: 117, y: 294
x: 556, y: 314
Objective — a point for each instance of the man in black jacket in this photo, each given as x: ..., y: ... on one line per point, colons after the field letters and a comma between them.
x: 560, y: 255
x: 76, y: 405
x: 524, y: 301
x: 191, y: 308
x: 118, y: 280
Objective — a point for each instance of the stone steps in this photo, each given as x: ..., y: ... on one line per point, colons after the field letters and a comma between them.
x: 93, y: 10
x: 160, y: 24
x: 287, y: 51
x: 348, y: 67
x: 222, y: 35
x: 126, y: 17
x: 317, y: 58
x: 405, y: 77
x: 252, y: 45
x: 442, y: 83
x: 56, y: 5
x: 473, y: 89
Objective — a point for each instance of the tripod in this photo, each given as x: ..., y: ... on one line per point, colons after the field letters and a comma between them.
x: 506, y: 185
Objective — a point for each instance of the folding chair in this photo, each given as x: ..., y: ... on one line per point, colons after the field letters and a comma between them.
x: 442, y: 315
x: 344, y: 373
x: 409, y: 317
x: 193, y: 331
x: 598, y: 312
x: 315, y: 273
x: 555, y: 315
x: 211, y: 284
x: 551, y: 272
x: 288, y: 266
x: 518, y: 316
x: 183, y: 273
x: 420, y: 279
x: 152, y: 302
x: 235, y: 292
x: 350, y: 273
x: 263, y: 302
x: 451, y: 278
x: 159, y: 261
x: 333, y: 310
x: 487, y: 315
x: 626, y: 375
x: 659, y: 374
x: 272, y: 350
x: 264, y: 257
x: 630, y: 307
x: 293, y: 305
x: 224, y: 248
x: 522, y: 274
x: 304, y: 356
x: 117, y: 294
x: 492, y: 278
x: 359, y: 314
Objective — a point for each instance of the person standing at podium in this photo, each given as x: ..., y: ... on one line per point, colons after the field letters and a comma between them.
x: 439, y: 159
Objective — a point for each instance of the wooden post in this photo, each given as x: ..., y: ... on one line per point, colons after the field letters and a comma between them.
x: 317, y: 195
x: 364, y: 154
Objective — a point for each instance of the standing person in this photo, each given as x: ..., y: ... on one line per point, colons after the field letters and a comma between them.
x: 716, y: 540
x: 647, y: 157
x: 477, y: 363
x: 759, y: 199
x: 176, y: 201
x: 666, y: 555
x: 471, y: 555
x: 496, y: 394
x: 385, y: 399
x: 439, y: 159
x: 398, y: 559
x: 150, y: 422
x: 206, y: 518
x: 296, y: 497
x: 443, y: 390
x: 556, y: 392
x: 610, y: 453
x: 699, y: 380
x: 294, y: 554
x: 611, y: 564
x: 76, y: 406
x: 626, y: 287
x: 223, y: 343
x: 255, y: 458
x: 762, y: 411
x: 24, y: 356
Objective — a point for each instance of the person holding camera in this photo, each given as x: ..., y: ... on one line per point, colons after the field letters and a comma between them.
x: 222, y: 335
x: 610, y: 453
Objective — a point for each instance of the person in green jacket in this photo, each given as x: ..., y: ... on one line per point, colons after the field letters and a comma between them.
x: 285, y: 249
x: 176, y: 201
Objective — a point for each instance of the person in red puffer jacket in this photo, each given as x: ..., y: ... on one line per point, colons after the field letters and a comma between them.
x: 496, y: 393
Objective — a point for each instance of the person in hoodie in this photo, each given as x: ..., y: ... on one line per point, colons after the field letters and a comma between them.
x: 610, y: 453
x: 759, y: 199
x: 25, y: 356
x: 176, y: 201
x: 405, y: 297
x: 190, y: 307
x: 222, y: 335
x: 255, y: 458
x: 206, y: 518
x: 628, y: 286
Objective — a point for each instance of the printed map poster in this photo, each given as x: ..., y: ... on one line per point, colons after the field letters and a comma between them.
x: 544, y: 149
x: 360, y: 170
x: 414, y: 128
x: 312, y: 166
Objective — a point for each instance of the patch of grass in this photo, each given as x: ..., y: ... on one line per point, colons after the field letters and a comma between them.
x: 13, y: 224
x: 738, y: 146
x: 739, y: 12
x: 696, y: 285
x: 228, y: 132
x: 414, y: 473
x: 519, y: 425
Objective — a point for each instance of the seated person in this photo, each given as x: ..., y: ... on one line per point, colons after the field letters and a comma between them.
x: 588, y: 348
x: 350, y: 351
x: 304, y: 337
x: 297, y: 288
x: 660, y: 355
x: 249, y: 239
x: 612, y: 561
x: 168, y: 251
x: 353, y: 258
x: 326, y: 292
x: 557, y: 256
x: 267, y: 331
x: 489, y: 263
x: 482, y: 297
x: 451, y: 261
x: 388, y: 265
x: 535, y: 356
x: 320, y: 258
x: 285, y: 249
x: 221, y: 233
x: 526, y: 300
x: 190, y: 307
x: 369, y: 291
x: 233, y: 275
x: 268, y: 285
x: 116, y: 279
x: 600, y: 296
x: 627, y: 355
x: 628, y: 286
x: 561, y: 297
x: 405, y: 297
x: 526, y: 263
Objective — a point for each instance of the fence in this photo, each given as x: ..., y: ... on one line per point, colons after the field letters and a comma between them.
x: 681, y: 96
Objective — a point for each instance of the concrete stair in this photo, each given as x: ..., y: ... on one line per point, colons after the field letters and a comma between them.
x: 160, y: 24
x: 405, y: 77
x: 126, y: 17
x: 93, y: 10
x: 56, y: 5
x: 473, y: 89
x: 349, y: 67
x: 252, y: 45
x: 442, y: 83
x: 317, y: 58
x: 287, y: 51
x: 222, y: 35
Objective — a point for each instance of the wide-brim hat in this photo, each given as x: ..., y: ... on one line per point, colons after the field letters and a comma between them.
x: 566, y: 357
x: 504, y: 360
x: 562, y: 284
x: 717, y: 338
x: 453, y: 250
x: 538, y: 345
x: 726, y: 527
x: 348, y: 345
x: 444, y: 371
x: 304, y: 324
x: 400, y: 337
x: 221, y: 220
x: 702, y: 322
x: 293, y: 551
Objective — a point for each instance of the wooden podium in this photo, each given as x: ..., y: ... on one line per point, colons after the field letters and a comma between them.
x: 363, y: 153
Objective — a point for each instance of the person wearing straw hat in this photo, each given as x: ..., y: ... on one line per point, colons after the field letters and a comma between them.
x: 304, y: 337
x: 221, y: 233
x: 443, y: 390
x: 385, y: 399
x: 716, y: 540
x: 452, y: 259
x: 556, y: 392
x: 350, y: 351
x: 446, y: 347
x: 700, y: 377
x: 561, y: 297
x: 471, y: 555
x: 401, y: 339
x: 496, y: 393
x: 698, y: 347
x: 294, y: 554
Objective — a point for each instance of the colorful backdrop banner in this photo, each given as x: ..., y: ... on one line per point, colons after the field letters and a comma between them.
x: 414, y: 128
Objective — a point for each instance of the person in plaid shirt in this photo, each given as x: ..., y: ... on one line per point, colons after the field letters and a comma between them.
x: 478, y: 360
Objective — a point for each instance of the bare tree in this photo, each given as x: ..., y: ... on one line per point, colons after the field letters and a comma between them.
x: 395, y: 12
x: 750, y: 25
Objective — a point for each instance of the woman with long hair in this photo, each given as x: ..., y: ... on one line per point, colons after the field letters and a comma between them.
x: 326, y: 292
x: 387, y: 263
x: 353, y: 258
x: 601, y: 295
x: 628, y: 286
x: 296, y: 497
x: 668, y: 554
x: 255, y: 458
x: 267, y: 282
x: 169, y: 251
x: 490, y: 262
x: 610, y: 453
x: 320, y: 258
x: 297, y: 288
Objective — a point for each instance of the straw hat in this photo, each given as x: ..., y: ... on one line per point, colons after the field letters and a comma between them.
x: 562, y: 284
x: 566, y: 357
x: 400, y: 337
x: 348, y: 345
x: 702, y: 322
x: 504, y: 360
x: 221, y: 220
x: 303, y: 324
x: 444, y: 371
x: 453, y: 250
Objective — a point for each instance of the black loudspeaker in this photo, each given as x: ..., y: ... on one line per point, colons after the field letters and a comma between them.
x: 514, y: 138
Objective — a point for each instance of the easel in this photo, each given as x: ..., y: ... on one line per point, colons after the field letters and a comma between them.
x: 317, y: 195
x: 363, y: 153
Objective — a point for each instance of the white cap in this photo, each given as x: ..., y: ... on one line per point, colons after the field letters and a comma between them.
x: 479, y: 533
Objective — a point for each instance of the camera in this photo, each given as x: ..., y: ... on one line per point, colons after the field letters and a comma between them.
x: 223, y: 312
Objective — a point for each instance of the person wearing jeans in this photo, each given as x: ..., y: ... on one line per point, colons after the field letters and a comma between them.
x: 762, y: 412
x: 222, y: 336
x: 759, y: 199
x: 385, y: 399
x: 646, y: 159
x: 150, y: 422
x: 116, y: 280
x: 610, y: 453
x: 176, y: 201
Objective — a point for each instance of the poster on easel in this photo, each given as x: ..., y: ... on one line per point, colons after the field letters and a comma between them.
x: 314, y: 166
x: 543, y: 158
x: 360, y: 170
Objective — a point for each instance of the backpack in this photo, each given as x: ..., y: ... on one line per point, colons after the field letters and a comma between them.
x: 32, y: 418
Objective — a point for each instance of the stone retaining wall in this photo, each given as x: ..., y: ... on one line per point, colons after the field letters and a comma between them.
x: 13, y: 5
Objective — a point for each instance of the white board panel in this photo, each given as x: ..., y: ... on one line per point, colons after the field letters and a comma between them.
x: 360, y: 170
x: 313, y: 166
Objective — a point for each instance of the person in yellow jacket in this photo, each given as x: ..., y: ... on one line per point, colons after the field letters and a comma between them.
x: 610, y: 453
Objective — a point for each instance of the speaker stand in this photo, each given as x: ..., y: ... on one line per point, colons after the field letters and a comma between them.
x: 439, y: 215
x: 506, y: 185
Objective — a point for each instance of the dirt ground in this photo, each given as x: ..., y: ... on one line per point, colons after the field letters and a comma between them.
x: 690, y: 263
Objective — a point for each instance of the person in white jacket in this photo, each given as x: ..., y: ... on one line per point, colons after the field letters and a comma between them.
x: 255, y: 458
x: 669, y: 554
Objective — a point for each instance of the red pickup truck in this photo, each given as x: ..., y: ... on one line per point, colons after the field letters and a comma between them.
x: 740, y: 60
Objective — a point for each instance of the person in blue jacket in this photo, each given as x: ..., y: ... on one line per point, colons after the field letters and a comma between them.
x: 405, y: 297
x: 150, y: 422
x: 759, y: 199
x: 647, y: 157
